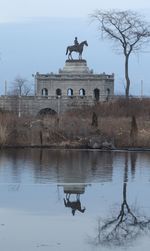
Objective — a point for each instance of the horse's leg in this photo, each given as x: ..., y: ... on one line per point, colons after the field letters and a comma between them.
x: 80, y: 55
x: 70, y: 55
x: 67, y: 50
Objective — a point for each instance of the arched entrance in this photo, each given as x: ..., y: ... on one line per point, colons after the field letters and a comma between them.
x: 97, y: 94
x: 47, y: 111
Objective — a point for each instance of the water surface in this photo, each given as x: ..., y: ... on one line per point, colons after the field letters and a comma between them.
x: 74, y: 200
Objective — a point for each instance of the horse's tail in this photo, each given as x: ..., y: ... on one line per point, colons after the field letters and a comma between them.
x: 67, y: 50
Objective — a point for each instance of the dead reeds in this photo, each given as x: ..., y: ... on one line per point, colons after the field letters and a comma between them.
x: 125, y: 122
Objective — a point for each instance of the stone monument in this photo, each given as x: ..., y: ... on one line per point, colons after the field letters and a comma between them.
x: 75, y: 85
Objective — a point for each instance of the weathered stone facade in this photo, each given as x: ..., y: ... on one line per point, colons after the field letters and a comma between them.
x: 74, y: 86
x: 75, y: 80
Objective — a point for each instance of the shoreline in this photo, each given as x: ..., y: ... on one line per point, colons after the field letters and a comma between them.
x: 120, y: 125
x: 81, y: 148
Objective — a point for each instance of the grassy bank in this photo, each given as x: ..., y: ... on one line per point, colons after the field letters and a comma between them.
x: 125, y: 123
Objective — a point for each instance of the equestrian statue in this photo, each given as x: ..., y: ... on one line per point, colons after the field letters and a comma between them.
x: 77, y: 47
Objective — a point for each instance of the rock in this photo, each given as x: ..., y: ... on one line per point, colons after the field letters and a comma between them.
x: 95, y: 142
x: 99, y: 142
x: 108, y: 145
x: 96, y: 145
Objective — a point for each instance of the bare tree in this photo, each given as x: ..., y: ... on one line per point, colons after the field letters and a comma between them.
x: 21, y: 87
x: 127, y: 30
x: 125, y: 226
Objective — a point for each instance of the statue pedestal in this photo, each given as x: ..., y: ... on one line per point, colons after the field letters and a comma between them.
x: 76, y: 67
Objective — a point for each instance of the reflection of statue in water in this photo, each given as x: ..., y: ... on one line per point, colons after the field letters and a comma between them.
x: 75, y: 205
x: 124, y: 227
x: 77, y: 47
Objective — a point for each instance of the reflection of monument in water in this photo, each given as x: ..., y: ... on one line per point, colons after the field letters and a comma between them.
x: 64, y: 166
x: 67, y: 166
x: 80, y: 170
x: 76, y: 190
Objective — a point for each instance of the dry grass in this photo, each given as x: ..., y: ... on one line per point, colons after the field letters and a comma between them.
x: 7, y: 122
x: 114, y: 123
x: 120, y: 107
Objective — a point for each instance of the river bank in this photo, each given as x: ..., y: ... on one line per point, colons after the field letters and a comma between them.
x: 78, y: 148
x: 119, y: 124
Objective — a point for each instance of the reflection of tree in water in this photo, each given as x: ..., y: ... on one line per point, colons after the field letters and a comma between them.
x: 133, y: 158
x: 124, y: 227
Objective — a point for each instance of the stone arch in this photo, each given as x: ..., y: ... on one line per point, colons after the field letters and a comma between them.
x: 69, y: 92
x: 82, y: 92
x: 47, y: 111
x: 97, y: 94
x: 44, y: 92
x: 58, y: 92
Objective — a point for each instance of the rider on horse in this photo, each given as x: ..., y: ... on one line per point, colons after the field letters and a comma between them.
x: 77, y: 47
x: 76, y: 43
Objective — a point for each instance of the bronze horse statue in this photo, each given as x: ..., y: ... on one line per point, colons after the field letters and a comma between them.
x: 77, y: 48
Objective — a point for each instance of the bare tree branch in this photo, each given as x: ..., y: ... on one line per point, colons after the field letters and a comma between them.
x: 124, y: 227
x: 127, y: 30
x: 21, y: 87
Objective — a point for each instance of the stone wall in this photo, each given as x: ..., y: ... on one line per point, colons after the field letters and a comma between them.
x: 78, y: 86
x: 32, y: 105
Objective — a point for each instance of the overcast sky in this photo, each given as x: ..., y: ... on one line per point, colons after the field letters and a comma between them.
x: 35, y: 34
x: 12, y: 10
